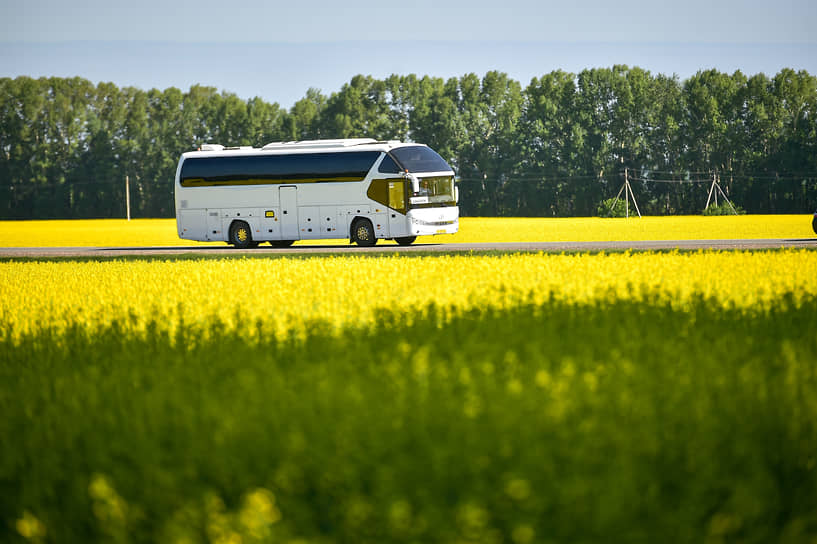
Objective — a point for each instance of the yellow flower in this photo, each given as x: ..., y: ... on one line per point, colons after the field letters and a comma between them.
x: 263, y: 297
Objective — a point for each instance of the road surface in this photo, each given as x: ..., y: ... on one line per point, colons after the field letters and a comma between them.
x: 387, y: 248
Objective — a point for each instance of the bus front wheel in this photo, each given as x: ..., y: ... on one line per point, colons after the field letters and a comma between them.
x: 363, y: 233
x: 241, y: 235
x: 405, y: 240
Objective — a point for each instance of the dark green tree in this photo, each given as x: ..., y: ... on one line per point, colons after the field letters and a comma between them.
x: 305, y: 117
x: 551, y: 140
x: 360, y: 109
x: 556, y: 148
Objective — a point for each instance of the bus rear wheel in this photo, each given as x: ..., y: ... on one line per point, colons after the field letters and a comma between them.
x: 363, y: 233
x: 405, y: 240
x: 281, y: 243
x: 241, y: 235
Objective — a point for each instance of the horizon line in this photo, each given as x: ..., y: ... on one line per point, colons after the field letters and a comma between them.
x: 409, y: 41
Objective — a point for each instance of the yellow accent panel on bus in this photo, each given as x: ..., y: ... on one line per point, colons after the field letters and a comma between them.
x: 397, y: 195
x: 389, y: 192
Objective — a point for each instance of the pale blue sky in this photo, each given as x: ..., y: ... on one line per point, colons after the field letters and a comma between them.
x: 277, y: 50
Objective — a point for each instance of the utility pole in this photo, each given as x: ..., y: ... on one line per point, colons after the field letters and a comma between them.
x: 628, y: 194
x: 127, y: 195
x: 714, y: 189
x: 626, y: 189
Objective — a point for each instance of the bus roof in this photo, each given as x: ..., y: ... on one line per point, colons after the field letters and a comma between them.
x: 304, y: 146
x: 311, y: 144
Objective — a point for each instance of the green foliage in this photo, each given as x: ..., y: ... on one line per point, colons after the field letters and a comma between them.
x: 723, y: 209
x: 613, y: 208
x: 554, y: 148
x: 616, y: 422
x: 66, y: 146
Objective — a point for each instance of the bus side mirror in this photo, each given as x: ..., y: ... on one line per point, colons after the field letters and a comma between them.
x: 415, y: 183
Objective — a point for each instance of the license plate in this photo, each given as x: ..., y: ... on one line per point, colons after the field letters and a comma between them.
x: 440, y: 231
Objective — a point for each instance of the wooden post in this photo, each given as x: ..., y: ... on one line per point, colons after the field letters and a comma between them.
x: 629, y: 188
x: 127, y: 195
x: 626, y: 190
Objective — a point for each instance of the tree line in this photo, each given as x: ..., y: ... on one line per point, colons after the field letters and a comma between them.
x: 558, y: 147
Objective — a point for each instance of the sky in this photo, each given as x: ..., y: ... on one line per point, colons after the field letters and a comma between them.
x: 277, y: 50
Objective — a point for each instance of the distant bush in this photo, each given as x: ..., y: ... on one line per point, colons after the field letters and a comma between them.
x: 606, y: 208
x: 724, y: 209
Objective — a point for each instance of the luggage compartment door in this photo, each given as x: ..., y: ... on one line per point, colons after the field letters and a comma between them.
x: 288, y: 196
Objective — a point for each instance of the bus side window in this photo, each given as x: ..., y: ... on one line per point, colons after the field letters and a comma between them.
x: 388, y: 166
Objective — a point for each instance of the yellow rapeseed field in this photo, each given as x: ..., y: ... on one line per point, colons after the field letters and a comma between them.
x: 273, y: 296
x: 162, y: 232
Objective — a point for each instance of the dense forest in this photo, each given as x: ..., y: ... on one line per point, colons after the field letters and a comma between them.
x: 558, y: 147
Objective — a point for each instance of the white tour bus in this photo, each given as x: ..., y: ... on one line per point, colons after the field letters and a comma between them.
x: 359, y: 189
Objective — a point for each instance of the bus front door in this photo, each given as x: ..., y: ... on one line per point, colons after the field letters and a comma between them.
x: 289, y: 212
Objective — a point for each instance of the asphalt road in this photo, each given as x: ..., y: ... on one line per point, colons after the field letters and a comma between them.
x: 385, y: 248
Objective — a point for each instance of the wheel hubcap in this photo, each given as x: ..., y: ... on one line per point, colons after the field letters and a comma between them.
x: 242, y: 235
x: 362, y: 233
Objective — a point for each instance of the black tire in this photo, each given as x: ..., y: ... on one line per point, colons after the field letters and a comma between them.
x: 281, y: 243
x: 814, y: 223
x: 405, y: 240
x: 363, y: 233
x: 241, y: 235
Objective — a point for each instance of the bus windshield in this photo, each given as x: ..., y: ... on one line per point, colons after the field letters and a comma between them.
x: 419, y: 159
x: 434, y: 191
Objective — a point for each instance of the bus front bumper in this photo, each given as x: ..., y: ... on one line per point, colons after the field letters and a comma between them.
x: 424, y: 222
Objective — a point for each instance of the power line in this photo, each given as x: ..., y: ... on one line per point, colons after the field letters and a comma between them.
x: 650, y: 180
x: 682, y: 173
x: 606, y: 179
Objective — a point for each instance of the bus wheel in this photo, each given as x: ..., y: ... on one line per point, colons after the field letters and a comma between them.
x: 405, y: 240
x: 240, y: 235
x: 363, y: 233
x: 281, y: 243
